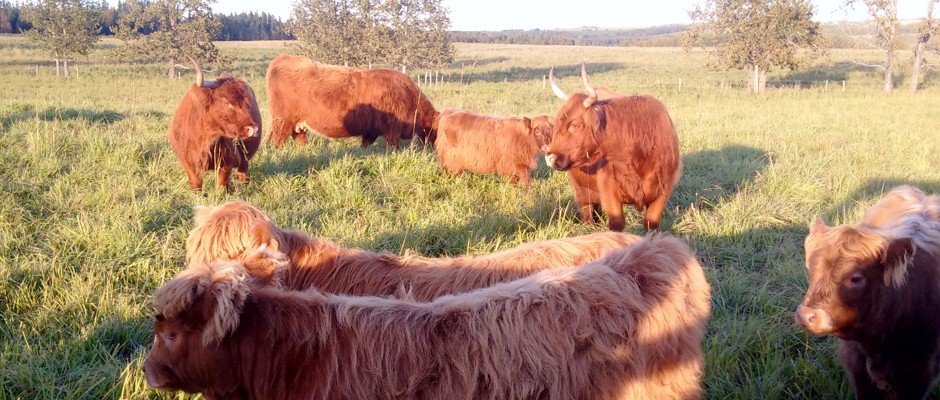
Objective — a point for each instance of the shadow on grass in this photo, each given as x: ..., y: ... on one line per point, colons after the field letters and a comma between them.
x: 536, y: 73
x: 26, y: 112
x: 710, y: 174
x: 479, y: 62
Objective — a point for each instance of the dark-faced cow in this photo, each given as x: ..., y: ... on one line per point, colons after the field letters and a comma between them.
x: 621, y: 149
x: 486, y: 144
x: 216, y: 126
x: 878, y: 291
x: 627, y: 326
x: 337, y: 102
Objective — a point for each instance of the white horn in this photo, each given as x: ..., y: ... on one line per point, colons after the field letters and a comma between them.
x: 592, y: 94
x: 199, y: 78
x: 557, y: 90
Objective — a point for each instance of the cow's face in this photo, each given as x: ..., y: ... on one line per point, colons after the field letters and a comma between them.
x: 179, y: 360
x: 541, y: 128
x: 229, y: 108
x: 574, y: 135
x: 851, y: 268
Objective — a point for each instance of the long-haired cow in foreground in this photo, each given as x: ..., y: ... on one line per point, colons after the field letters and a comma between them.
x: 337, y: 102
x: 621, y: 149
x: 878, y: 291
x: 237, y: 229
x: 628, y: 326
x: 217, y: 125
x: 491, y: 145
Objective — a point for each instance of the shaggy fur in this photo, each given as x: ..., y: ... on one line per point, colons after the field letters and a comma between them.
x: 628, y: 326
x: 337, y: 102
x: 491, y: 145
x: 235, y: 229
x: 216, y: 128
x: 876, y: 286
x: 902, y: 201
x: 618, y: 150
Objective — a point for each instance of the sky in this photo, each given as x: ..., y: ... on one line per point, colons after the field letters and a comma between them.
x: 468, y: 15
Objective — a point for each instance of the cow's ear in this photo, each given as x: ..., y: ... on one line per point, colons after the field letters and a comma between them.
x: 224, y: 300
x: 528, y: 123
x: 896, y: 257
x: 202, y: 97
x: 817, y: 226
x: 597, y: 119
x: 201, y: 214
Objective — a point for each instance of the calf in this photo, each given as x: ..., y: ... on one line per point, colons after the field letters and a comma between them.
x: 491, y: 145
x: 878, y: 291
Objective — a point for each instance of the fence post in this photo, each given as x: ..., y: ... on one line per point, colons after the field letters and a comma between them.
x: 680, y: 85
x: 37, y: 70
x: 827, y: 85
x: 843, y: 85
x: 543, y: 81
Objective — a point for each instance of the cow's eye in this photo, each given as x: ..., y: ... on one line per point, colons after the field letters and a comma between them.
x: 856, y: 280
x: 170, y: 336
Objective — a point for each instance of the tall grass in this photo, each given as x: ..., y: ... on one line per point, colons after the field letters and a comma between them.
x: 94, y: 207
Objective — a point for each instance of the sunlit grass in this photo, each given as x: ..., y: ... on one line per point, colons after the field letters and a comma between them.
x: 94, y: 207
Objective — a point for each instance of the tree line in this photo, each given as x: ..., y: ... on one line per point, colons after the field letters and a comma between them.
x: 240, y: 26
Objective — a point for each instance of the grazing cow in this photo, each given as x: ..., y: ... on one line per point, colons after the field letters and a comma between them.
x: 623, y: 150
x: 337, y: 102
x: 236, y: 229
x: 491, y: 145
x: 878, y: 291
x: 216, y: 126
x: 628, y: 326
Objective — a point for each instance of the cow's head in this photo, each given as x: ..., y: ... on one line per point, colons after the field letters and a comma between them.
x: 196, y: 312
x: 541, y: 128
x: 226, y: 103
x: 851, y: 270
x: 574, y: 141
x: 230, y: 231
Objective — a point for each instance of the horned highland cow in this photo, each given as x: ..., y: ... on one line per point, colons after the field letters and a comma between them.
x: 876, y: 287
x: 491, y: 145
x: 217, y: 125
x: 622, y: 149
x: 236, y: 229
x: 627, y: 326
x: 337, y: 102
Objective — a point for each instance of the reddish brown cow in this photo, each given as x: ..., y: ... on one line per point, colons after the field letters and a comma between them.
x: 237, y: 229
x: 216, y: 126
x: 878, y: 291
x: 624, y: 150
x: 491, y: 145
x: 628, y: 326
x: 337, y: 102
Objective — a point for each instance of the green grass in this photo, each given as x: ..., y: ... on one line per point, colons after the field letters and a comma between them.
x: 94, y: 208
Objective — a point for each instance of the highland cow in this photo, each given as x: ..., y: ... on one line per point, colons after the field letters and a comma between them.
x: 337, y: 102
x: 877, y: 289
x: 491, y: 145
x: 902, y: 201
x: 236, y: 229
x: 627, y: 326
x: 217, y: 125
x: 625, y: 150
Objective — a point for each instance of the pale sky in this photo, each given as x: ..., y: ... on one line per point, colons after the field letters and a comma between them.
x: 550, y: 14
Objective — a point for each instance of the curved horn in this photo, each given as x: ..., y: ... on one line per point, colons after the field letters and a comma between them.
x: 592, y: 94
x: 557, y: 90
x: 200, y: 81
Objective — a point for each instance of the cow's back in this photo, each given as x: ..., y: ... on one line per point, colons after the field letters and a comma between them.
x: 484, y: 144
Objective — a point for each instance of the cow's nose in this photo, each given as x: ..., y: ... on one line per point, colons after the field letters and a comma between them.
x: 550, y: 159
x: 251, y: 130
x: 805, y: 316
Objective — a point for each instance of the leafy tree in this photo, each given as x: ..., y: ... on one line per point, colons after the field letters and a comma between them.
x: 925, y: 30
x: 363, y: 32
x: 169, y: 31
x: 884, y: 14
x: 757, y: 34
x: 64, y: 28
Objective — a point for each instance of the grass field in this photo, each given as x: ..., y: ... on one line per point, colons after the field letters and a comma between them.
x: 94, y: 207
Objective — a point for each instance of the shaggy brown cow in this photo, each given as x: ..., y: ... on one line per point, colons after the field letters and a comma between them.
x: 216, y: 126
x: 337, y: 102
x: 628, y: 326
x: 902, y: 201
x: 231, y: 231
x: 625, y: 150
x: 878, y: 291
x: 491, y: 145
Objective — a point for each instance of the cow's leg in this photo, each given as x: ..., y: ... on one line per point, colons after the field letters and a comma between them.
x: 241, y: 173
x: 654, y: 212
x: 392, y: 140
x: 611, y: 203
x: 368, y: 140
x: 225, y: 170
x: 300, y: 137
x: 195, y: 179
x: 523, y: 173
x: 855, y: 362
x: 585, y: 204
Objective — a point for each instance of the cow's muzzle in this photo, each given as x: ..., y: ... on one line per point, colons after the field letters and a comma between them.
x: 249, y: 131
x: 557, y: 162
x: 814, y: 320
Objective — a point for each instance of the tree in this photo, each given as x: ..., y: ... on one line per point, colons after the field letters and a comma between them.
x: 925, y: 31
x: 885, y: 17
x: 363, y: 32
x: 64, y: 28
x: 168, y: 31
x: 756, y: 35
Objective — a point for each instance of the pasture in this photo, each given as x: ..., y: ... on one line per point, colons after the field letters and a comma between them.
x: 94, y: 207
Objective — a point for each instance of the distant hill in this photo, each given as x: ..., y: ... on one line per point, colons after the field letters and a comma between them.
x: 840, y: 34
